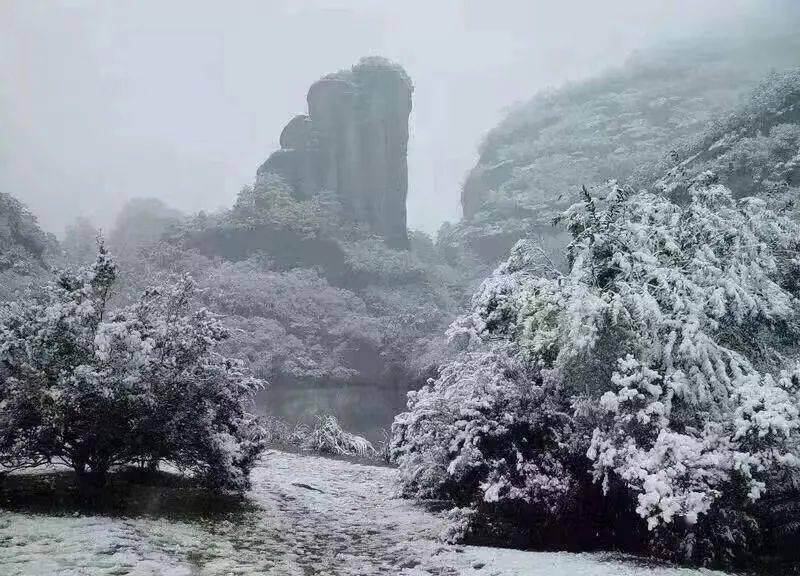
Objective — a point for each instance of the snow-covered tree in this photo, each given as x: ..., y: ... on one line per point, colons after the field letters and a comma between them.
x: 94, y: 388
x: 661, y: 364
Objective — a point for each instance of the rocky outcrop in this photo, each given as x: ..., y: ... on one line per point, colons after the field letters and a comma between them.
x: 353, y: 142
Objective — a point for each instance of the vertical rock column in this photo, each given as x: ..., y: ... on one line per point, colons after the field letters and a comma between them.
x: 354, y: 142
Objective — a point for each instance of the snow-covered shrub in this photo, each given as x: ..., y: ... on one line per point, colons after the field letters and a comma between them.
x: 324, y: 436
x: 661, y: 365
x: 328, y: 437
x: 93, y: 387
x: 470, y: 434
x: 278, y: 432
x: 491, y: 434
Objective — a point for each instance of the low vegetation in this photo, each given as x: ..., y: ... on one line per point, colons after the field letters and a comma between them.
x: 324, y: 436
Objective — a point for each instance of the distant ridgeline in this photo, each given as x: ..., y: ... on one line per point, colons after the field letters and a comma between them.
x: 630, y: 124
x: 353, y: 142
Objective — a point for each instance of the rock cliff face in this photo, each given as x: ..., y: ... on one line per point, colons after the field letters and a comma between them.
x: 353, y: 142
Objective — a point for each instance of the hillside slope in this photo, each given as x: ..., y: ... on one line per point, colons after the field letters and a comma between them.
x: 23, y: 246
x: 754, y: 150
x: 320, y: 281
x: 626, y: 124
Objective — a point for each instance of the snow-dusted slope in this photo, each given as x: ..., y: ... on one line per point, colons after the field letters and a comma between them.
x: 623, y: 124
x: 312, y: 516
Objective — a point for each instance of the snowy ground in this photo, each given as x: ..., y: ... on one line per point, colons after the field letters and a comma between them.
x: 312, y: 516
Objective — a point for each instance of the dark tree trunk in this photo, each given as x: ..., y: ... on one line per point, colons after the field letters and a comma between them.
x: 91, y: 479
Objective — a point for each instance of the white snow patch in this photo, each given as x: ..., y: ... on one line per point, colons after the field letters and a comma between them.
x: 350, y: 523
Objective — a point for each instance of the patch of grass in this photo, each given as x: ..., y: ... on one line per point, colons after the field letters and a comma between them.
x: 129, y: 493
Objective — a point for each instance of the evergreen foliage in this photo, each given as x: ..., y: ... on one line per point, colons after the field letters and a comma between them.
x: 659, y: 367
x: 95, y: 387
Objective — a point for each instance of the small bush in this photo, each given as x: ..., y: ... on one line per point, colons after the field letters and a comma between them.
x: 96, y: 388
x: 325, y: 436
x: 328, y: 437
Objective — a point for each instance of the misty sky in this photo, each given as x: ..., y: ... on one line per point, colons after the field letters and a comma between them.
x: 101, y: 101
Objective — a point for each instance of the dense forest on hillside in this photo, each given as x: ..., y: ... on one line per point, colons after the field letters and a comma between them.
x: 23, y: 246
x: 309, y: 299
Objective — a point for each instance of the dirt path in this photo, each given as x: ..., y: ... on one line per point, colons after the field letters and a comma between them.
x: 342, y: 517
x: 311, y: 516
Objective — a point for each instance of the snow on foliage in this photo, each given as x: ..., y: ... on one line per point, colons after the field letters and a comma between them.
x: 93, y: 387
x: 632, y: 123
x: 660, y: 363
x: 311, y: 297
x: 755, y: 148
x: 328, y: 437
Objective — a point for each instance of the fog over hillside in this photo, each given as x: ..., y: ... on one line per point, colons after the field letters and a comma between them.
x: 104, y: 101
x: 361, y: 288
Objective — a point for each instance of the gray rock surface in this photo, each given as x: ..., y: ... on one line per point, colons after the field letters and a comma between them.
x: 353, y: 141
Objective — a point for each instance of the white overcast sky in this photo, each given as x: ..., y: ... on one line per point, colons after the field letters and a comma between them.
x: 101, y: 101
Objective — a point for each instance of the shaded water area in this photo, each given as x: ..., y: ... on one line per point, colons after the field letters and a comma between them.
x: 363, y: 410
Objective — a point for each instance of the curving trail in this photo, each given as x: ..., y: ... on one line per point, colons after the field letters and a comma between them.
x: 312, y: 516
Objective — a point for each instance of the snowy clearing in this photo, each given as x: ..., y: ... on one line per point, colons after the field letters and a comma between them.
x: 312, y: 516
